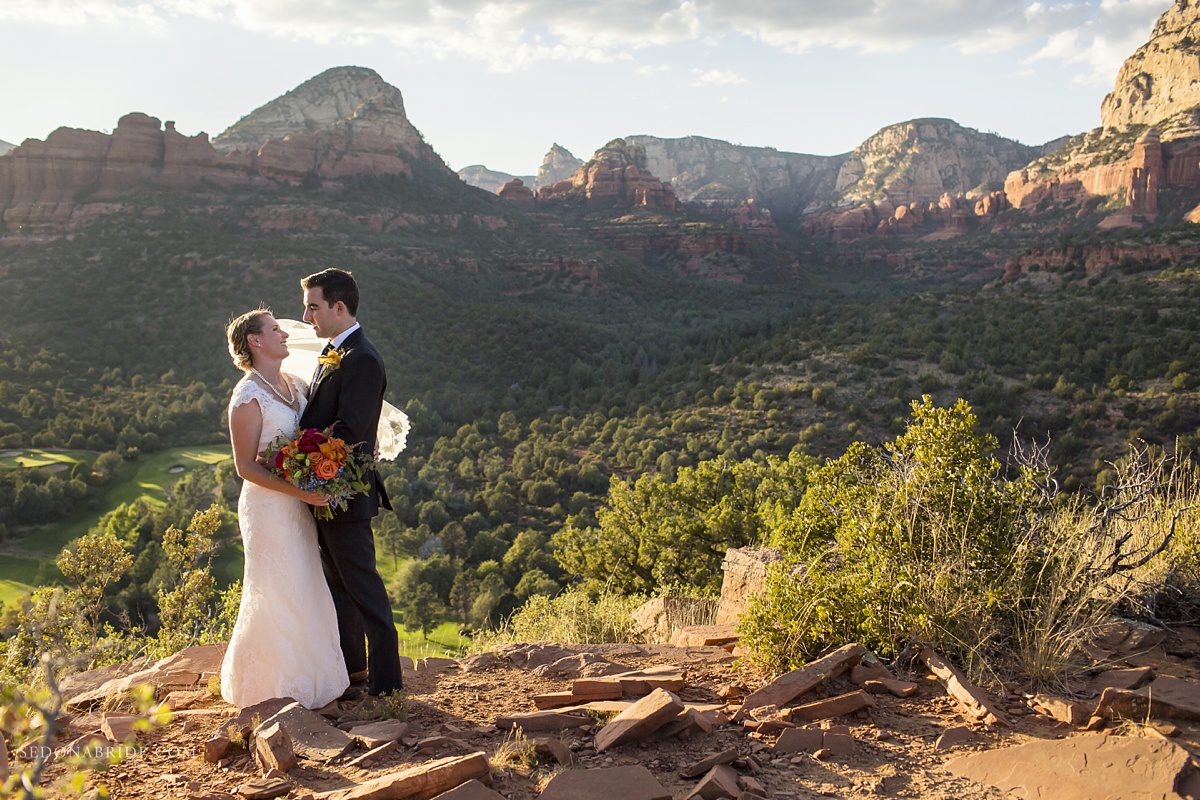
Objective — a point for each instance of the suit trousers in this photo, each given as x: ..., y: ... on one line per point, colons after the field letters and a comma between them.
x: 361, y: 601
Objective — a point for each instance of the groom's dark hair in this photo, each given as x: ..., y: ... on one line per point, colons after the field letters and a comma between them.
x: 335, y: 284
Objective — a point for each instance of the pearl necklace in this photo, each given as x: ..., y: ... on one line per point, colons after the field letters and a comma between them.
x: 290, y: 400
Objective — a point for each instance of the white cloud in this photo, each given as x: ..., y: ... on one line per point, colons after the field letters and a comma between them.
x: 512, y: 34
x: 77, y: 13
x: 651, y: 69
x: 1103, y: 42
x: 716, y: 77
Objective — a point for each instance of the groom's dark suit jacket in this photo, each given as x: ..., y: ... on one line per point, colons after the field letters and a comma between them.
x: 349, y: 399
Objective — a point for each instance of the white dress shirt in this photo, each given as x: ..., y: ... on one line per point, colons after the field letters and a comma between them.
x: 336, y: 341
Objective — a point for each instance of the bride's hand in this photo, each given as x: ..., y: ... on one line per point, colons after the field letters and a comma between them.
x: 314, y: 498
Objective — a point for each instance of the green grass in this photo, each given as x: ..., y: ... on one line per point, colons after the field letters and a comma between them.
x: 149, y: 477
x: 443, y: 640
x: 17, y: 576
x: 45, y: 458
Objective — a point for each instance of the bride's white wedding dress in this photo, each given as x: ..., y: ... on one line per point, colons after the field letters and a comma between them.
x: 285, y: 641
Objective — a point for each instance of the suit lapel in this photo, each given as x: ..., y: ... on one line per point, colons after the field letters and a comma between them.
x: 323, y: 372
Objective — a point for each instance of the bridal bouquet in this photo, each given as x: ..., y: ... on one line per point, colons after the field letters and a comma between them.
x: 316, y: 461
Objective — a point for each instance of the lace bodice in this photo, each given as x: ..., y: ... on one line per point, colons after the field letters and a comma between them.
x: 278, y: 417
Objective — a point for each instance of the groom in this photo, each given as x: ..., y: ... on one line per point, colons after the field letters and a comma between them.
x: 347, y: 394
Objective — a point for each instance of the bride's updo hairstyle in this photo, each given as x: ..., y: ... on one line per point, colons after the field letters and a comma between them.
x: 237, y: 331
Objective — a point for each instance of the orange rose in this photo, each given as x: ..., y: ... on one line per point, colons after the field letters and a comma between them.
x: 334, y: 449
x: 326, y: 469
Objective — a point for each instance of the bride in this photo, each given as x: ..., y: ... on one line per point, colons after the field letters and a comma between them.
x: 285, y: 641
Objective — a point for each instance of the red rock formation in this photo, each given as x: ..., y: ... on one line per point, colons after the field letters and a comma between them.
x: 1150, y: 166
x: 1094, y: 259
x: 615, y: 177
x: 46, y: 185
x: 951, y: 215
x: 748, y: 216
x: 517, y: 193
x: 1145, y: 174
x: 991, y: 204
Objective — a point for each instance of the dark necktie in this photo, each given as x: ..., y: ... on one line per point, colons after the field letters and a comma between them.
x: 321, y: 367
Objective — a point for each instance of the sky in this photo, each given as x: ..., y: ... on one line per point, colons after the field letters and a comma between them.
x: 496, y: 83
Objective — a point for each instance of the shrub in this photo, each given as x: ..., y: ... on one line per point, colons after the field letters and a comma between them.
x: 660, y: 533
x: 928, y: 539
x: 572, y: 617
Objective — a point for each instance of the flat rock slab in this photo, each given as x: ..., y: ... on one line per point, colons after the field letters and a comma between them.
x: 891, y: 686
x: 953, y: 737
x: 630, y: 684
x: 246, y: 718
x: 373, y: 734
x: 1168, y: 697
x: 421, y: 782
x: 313, y: 737
x: 1091, y: 767
x: 118, y: 728
x: 831, y: 707
x: 471, y: 790
x: 92, y: 679
x: 970, y: 698
x: 703, y: 766
x: 370, y: 755
x: 704, y: 635
x: 720, y: 783
x: 790, y: 685
x: 617, y: 706
x: 1061, y: 709
x: 800, y: 740
x: 612, y: 783
x: 264, y: 788
x: 639, y: 720
x: 580, y: 665
x: 574, y: 697
x: 1129, y: 678
x: 542, y: 721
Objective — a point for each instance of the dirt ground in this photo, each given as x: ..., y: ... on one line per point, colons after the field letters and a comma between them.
x: 895, y: 755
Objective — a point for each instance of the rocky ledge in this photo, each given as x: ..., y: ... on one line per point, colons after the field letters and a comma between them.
x: 680, y: 720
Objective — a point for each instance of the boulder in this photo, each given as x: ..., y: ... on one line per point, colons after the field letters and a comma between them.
x: 656, y: 619
x: 744, y: 576
x: 273, y: 748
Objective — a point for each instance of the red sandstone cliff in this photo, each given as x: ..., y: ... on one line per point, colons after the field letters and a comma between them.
x: 75, y: 175
x: 615, y: 177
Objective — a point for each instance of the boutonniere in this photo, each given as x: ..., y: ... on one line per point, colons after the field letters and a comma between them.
x: 331, y: 360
